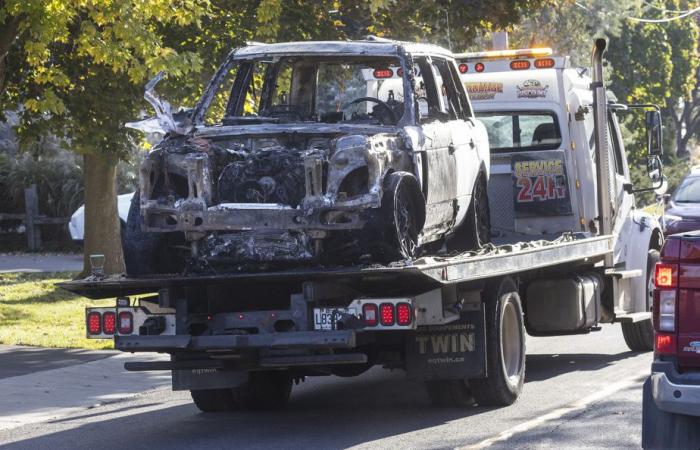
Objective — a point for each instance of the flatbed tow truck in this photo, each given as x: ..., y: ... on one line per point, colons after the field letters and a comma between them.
x: 455, y: 321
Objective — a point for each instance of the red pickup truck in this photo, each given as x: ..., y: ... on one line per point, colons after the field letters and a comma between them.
x: 671, y: 403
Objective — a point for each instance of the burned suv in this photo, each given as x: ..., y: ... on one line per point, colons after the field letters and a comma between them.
x: 312, y: 152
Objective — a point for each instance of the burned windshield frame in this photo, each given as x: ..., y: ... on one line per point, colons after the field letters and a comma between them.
x: 308, y: 113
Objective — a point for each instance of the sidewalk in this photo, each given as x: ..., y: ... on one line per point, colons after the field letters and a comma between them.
x: 37, y: 262
x: 50, y: 394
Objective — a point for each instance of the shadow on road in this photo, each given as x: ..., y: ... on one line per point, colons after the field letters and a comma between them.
x: 19, y: 360
x: 544, y: 366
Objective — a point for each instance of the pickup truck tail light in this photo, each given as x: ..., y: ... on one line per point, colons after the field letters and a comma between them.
x: 666, y: 275
x: 126, y: 322
x: 666, y: 311
x: 664, y: 344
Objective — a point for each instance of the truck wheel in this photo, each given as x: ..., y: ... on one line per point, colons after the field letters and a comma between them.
x: 214, y: 400
x: 401, y: 218
x: 662, y: 430
x: 265, y: 390
x: 475, y: 230
x: 505, y: 347
x: 639, y: 336
x: 449, y: 393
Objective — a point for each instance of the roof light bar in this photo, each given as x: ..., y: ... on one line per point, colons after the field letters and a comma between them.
x: 503, y: 54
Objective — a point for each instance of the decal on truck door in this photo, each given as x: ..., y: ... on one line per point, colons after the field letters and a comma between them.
x: 540, y: 186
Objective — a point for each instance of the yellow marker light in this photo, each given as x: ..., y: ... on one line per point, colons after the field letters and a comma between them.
x: 504, y: 54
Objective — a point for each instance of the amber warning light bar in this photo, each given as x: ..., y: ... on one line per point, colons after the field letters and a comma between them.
x: 506, y: 54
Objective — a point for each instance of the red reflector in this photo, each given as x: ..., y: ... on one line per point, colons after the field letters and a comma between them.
x: 386, y: 314
x: 126, y: 322
x: 404, y: 314
x: 664, y: 275
x: 520, y: 64
x: 399, y: 71
x: 463, y: 68
x: 383, y: 73
x: 544, y: 63
x: 109, y: 323
x: 370, y: 313
x: 479, y: 67
x: 665, y: 344
x: 94, y: 323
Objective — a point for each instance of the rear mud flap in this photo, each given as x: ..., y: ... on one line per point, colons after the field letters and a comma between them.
x: 207, y: 378
x: 444, y: 352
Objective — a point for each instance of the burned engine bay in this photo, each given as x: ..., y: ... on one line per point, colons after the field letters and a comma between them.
x: 283, y: 198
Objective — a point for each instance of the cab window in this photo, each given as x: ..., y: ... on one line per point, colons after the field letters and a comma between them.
x: 516, y: 131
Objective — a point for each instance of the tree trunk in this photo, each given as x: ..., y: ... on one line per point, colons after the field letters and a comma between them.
x: 102, y: 228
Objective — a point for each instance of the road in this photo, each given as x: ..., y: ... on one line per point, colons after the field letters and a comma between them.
x: 38, y: 262
x: 581, y: 392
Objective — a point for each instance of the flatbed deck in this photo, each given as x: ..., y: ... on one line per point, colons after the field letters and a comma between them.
x: 427, y: 272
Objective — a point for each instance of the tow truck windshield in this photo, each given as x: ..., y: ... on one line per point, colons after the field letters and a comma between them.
x: 515, y: 131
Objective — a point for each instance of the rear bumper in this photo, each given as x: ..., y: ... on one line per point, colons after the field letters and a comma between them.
x: 674, y: 392
x: 298, y: 339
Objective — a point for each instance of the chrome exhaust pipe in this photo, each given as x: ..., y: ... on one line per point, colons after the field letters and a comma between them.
x: 602, y: 150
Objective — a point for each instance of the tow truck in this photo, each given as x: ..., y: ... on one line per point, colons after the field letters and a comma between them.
x: 574, y: 256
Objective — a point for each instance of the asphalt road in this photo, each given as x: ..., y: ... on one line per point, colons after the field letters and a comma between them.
x: 581, y: 392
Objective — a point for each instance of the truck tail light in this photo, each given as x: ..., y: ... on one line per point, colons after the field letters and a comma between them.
x: 94, y: 323
x: 109, y: 322
x: 126, y: 322
x: 386, y: 314
x: 544, y: 63
x: 665, y: 275
x: 370, y: 313
x: 520, y: 64
x: 666, y: 311
x: 404, y: 314
x: 463, y: 68
x: 664, y: 344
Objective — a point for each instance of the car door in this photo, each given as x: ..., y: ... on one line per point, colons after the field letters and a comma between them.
x: 465, y: 144
x: 439, y: 168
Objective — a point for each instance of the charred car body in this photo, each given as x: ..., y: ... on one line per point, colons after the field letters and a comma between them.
x: 313, y: 150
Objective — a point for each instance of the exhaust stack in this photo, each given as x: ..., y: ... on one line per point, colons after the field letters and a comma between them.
x: 605, y: 211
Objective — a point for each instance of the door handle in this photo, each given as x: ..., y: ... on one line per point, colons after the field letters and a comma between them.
x: 471, y: 143
x: 451, y: 148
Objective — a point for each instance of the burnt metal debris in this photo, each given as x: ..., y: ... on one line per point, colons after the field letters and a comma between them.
x: 295, y: 182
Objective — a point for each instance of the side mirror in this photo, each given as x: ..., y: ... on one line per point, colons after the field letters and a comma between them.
x: 654, y: 136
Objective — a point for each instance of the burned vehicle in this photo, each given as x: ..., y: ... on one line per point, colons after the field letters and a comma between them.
x: 314, y: 152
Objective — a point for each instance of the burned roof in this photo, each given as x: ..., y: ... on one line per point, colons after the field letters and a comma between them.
x: 370, y: 47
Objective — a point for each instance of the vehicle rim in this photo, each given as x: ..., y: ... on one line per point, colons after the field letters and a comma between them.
x: 405, y: 222
x: 511, y: 343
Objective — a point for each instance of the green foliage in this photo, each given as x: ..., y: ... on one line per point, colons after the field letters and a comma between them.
x: 76, y: 68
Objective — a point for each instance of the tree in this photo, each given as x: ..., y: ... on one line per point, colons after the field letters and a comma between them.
x: 75, y: 69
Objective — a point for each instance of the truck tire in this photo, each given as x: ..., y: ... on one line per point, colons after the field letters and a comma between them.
x: 449, y: 393
x: 265, y: 390
x: 639, y: 336
x: 214, y: 400
x: 475, y: 230
x: 664, y: 430
x: 505, y: 347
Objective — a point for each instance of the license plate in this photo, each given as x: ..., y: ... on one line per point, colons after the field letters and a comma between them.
x: 327, y: 318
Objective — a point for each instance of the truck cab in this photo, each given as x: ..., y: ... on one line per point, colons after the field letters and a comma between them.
x: 539, y: 114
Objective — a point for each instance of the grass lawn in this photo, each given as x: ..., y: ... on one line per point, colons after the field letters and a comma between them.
x: 33, y: 311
